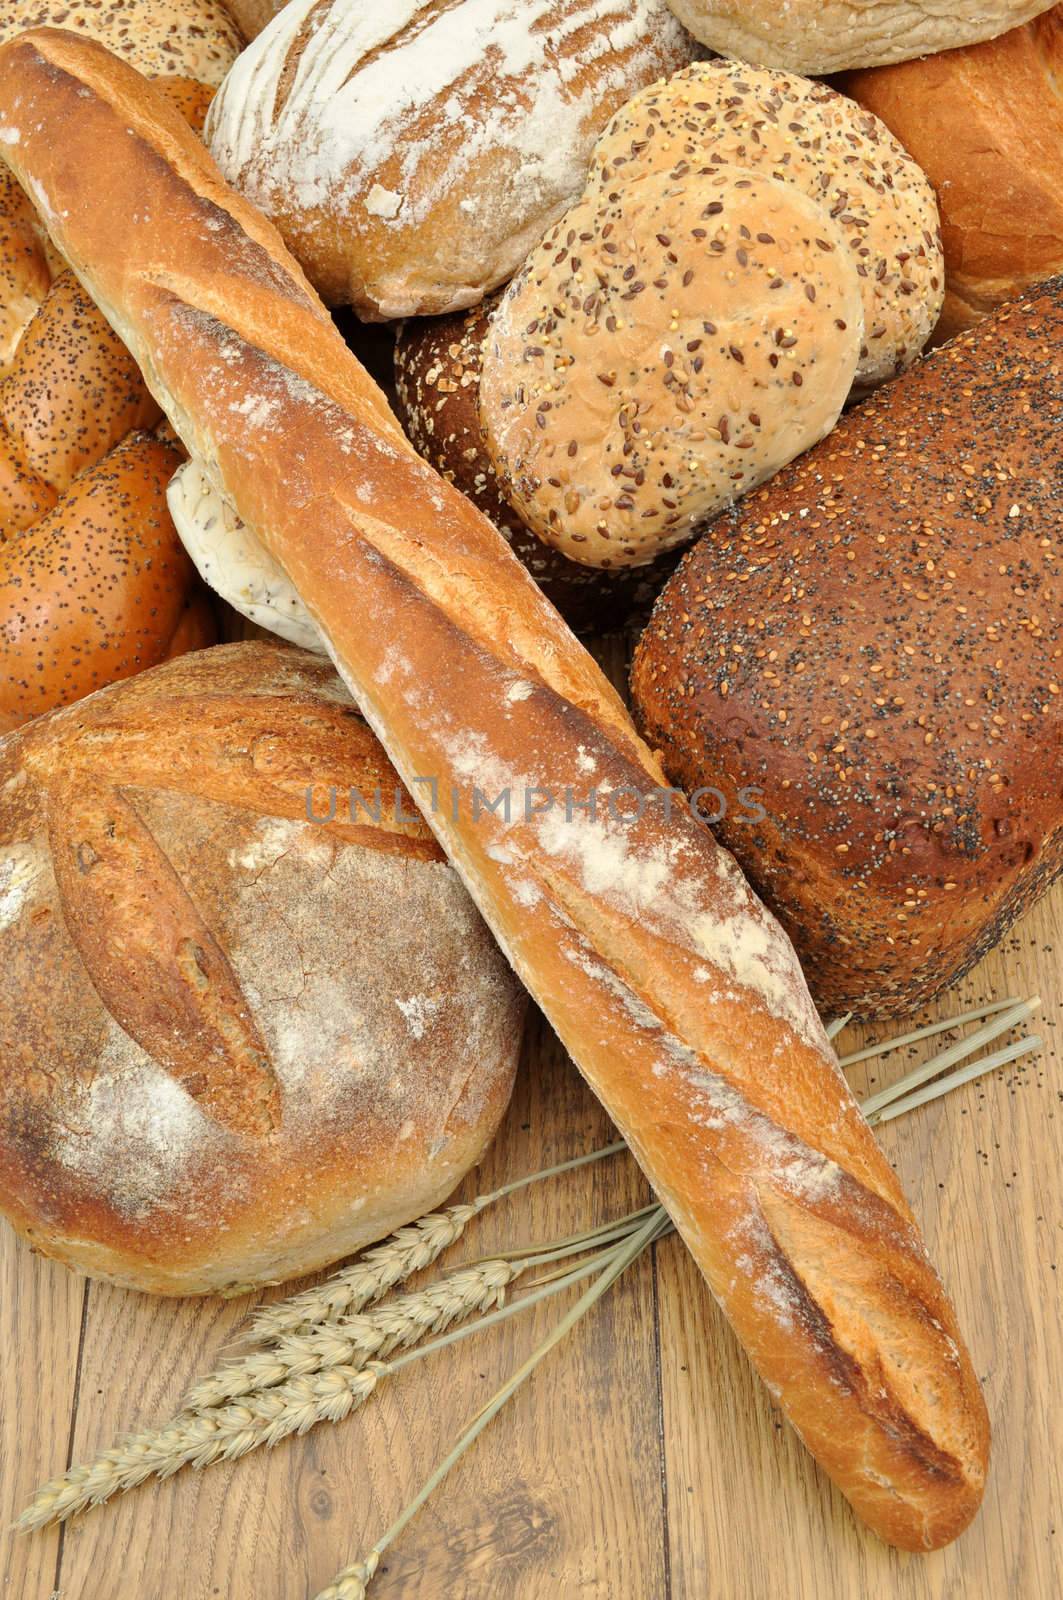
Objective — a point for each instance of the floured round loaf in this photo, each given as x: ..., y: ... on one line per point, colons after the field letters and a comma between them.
x: 237, y: 1043
x: 823, y: 36
x: 412, y: 154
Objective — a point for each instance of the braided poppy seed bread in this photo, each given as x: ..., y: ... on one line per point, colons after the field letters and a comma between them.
x: 438, y: 363
x: 237, y: 1043
x: 736, y: 209
x: 874, y: 641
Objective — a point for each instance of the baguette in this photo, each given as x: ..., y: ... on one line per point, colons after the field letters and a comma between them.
x: 677, y: 994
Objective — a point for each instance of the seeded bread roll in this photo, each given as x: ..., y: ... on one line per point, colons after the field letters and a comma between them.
x: 993, y: 158
x: 822, y: 36
x: 672, y: 342
x: 195, y: 40
x: 873, y: 640
x: 809, y: 135
x: 411, y: 154
x: 238, y: 1044
x: 438, y: 363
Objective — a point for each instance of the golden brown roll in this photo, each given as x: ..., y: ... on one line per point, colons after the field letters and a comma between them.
x: 986, y: 125
x: 238, y: 1043
x: 100, y: 587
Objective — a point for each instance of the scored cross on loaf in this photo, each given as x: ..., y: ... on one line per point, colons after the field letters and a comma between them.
x: 677, y: 994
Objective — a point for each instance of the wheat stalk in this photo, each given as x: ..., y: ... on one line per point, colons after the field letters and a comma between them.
x: 199, y: 1439
x: 352, y: 1582
x: 397, y: 1258
x: 326, y: 1371
x: 264, y: 1417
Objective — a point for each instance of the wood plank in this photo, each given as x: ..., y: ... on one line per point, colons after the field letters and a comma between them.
x: 750, y: 1516
x: 562, y: 1495
x: 40, y: 1326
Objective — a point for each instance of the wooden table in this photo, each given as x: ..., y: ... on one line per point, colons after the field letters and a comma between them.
x: 643, y: 1461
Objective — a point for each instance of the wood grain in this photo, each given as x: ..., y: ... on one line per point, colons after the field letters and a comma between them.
x: 643, y: 1461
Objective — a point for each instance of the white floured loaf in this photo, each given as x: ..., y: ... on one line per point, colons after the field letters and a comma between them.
x: 411, y: 154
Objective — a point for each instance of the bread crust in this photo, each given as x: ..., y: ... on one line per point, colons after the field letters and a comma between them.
x: 986, y: 125
x: 238, y: 1043
x: 873, y: 641
x: 664, y: 977
x: 823, y: 36
x: 412, y: 154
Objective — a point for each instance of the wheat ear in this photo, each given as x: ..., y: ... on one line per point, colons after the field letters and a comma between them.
x: 223, y: 1433
x: 379, y: 1270
x: 352, y: 1582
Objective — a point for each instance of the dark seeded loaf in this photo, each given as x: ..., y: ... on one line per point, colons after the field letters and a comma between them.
x: 874, y: 639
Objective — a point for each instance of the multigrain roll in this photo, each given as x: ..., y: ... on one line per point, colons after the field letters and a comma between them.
x: 822, y: 36
x: 806, y: 134
x: 412, y: 154
x: 986, y: 125
x: 749, y: 247
x: 193, y: 40
x: 438, y: 363
x: 875, y: 641
x: 238, y: 1043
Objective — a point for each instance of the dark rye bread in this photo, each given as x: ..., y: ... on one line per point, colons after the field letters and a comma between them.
x: 874, y: 640
x: 237, y: 1044
x: 438, y: 365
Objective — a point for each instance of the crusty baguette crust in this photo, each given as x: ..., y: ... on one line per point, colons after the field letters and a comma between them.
x: 873, y: 639
x: 678, y: 996
x: 986, y: 126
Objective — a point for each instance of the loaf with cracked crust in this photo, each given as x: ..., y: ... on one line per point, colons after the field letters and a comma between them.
x: 875, y: 641
x: 237, y: 1043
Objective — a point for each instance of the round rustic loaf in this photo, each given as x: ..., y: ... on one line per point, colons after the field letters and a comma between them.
x: 822, y: 36
x: 411, y: 154
x: 438, y: 363
x: 237, y: 1043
